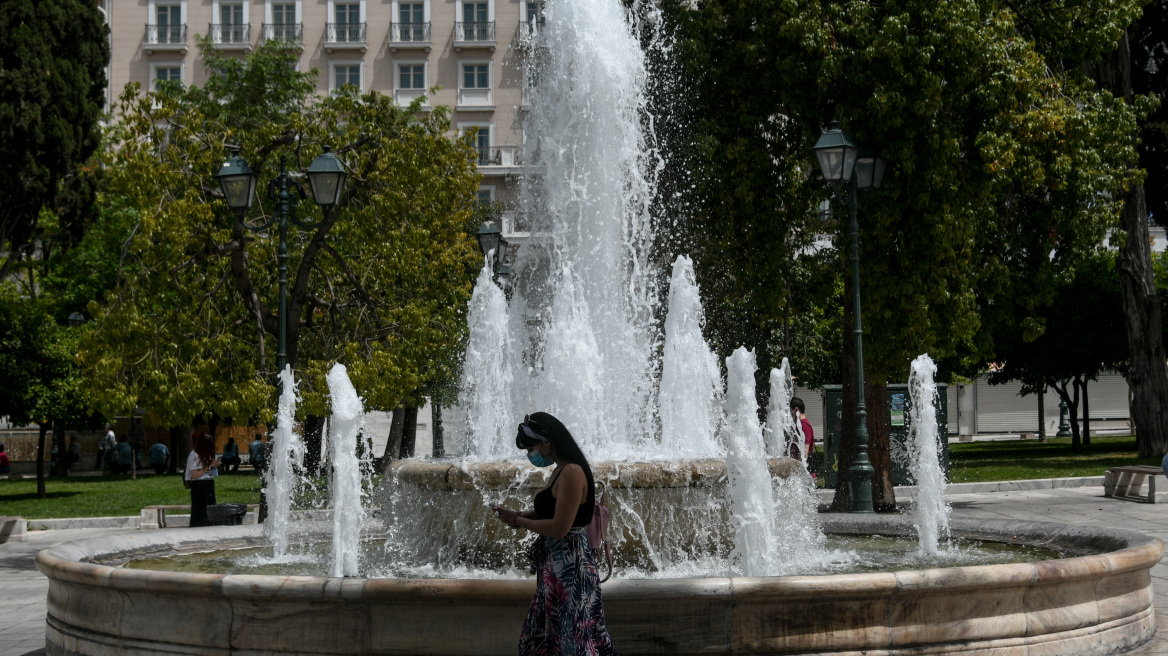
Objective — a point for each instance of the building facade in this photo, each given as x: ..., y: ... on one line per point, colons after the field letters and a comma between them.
x: 473, y: 50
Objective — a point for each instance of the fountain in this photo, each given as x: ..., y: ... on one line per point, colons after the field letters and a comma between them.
x: 719, y: 546
x: 930, y: 511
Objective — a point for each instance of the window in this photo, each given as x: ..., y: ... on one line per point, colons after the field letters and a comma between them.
x: 344, y: 74
x: 284, y: 25
x: 165, y: 74
x: 483, y: 144
x: 534, y: 12
x: 349, y: 22
x: 413, y: 21
x: 231, y: 24
x: 486, y: 194
x: 412, y: 76
x: 476, y: 76
x: 169, y: 22
x: 476, y: 25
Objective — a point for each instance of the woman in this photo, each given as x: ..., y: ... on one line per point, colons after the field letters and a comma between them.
x: 201, y: 472
x: 566, y: 614
x: 230, y: 459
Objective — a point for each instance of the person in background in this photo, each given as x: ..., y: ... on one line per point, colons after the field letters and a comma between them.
x: 74, y: 450
x: 230, y: 457
x: 5, y: 464
x: 159, y: 456
x: 104, y: 446
x: 202, y: 468
x: 123, y: 457
x: 799, y: 414
x: 256, y: 453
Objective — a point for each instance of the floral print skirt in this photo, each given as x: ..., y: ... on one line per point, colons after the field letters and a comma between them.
x: 567, y: 615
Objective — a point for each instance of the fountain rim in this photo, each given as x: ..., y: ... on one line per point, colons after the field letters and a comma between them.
x: 1124, y: 551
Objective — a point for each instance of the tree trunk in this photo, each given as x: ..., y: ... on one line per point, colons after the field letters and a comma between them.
x: 842, y: 501
x: 880, y: 446
x: 409, y: 436
x: 40, y: 463
x: 439, y: 446
x: 178, y: 434
x: 1086, y: 416
x: 1072, y: 402
x: 1042, y: 414
x: 313, y: 439
x: 1148, y: 372
x: 394, y: 441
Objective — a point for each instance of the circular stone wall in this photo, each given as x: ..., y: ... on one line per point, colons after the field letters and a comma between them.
x: 1095, y: 604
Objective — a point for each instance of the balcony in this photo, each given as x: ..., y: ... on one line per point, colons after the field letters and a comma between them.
x: 163, y: 38
x: 409, y: 35
x: 474, y: 35
x: 499, y: 160
x: 475, y: 100
x: 528, y: 32
x: 287, y: 32
x: 230, y: 36
x: 345, y: 36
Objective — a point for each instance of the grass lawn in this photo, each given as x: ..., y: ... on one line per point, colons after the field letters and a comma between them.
x: 115, y: 496
x: 1024, y: 459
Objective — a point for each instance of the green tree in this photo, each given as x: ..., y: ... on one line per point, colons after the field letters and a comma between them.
x: 381, y: 285
x: 52, y: 85
x: 1082, y: 338
x: 996, y: 159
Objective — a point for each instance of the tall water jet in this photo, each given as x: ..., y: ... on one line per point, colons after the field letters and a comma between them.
x: 751, y: 500
x: 691, y: 383
x: 930, y: 510
x: 485, y: 392
x: 588, y: 283
x: 781, y: 429
x: 287, y: 454
x: 348, y: 513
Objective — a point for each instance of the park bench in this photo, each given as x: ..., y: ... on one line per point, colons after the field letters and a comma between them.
x: 1127, y: 482
x: 155, y: 516
x: 13, y: 529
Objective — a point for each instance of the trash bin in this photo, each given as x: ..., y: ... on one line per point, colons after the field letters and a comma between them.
x: 226, y: 514
x: 897, y: 405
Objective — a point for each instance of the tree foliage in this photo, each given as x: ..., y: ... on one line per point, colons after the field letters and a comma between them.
x: 52, y: 83
x: 380, y: 285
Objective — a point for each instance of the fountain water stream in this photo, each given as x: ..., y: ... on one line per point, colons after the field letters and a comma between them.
x: 781, y: 428
x: 287, y: 453
x: 930, y: 510
x: 348, y: 512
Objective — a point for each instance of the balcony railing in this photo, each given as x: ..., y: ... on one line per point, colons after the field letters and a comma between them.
x: 290, y: 32
x: 409, y: 32
x: 498, y: 156
x: 339, y: 35
x: 166, y: 36
x: 529, y: 30
x: 480, y: 33
x: 230, y: 34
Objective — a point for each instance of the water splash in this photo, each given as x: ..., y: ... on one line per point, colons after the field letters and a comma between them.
x: 781, y: 430
x: 930, y: 510
x: 751, y: 499
x: 287, y: 454
x: 348, y: 513
x: 691, y: 383
x: 486, y: 373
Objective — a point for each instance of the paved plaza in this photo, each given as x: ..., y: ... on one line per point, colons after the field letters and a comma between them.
x: 22, y: 593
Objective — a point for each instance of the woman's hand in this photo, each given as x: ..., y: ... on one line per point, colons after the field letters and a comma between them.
x: 506, y: 515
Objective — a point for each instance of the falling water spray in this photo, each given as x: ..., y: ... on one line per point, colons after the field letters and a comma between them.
x: 930, y: 511
x: 348, y: 513
x: 287, y: 454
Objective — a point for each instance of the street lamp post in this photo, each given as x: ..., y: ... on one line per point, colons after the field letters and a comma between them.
x: 326, y: 176
x: 491, y: 241
x: 843, y: 163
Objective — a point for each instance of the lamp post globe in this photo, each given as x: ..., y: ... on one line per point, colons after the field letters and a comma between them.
x: 237, y: 180
x: 869, y: 169
x: 326, y: 176
x: 836, y: 152
x: 76, y: 319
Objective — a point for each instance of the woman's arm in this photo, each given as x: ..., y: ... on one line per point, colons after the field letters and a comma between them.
x: 569, y: 493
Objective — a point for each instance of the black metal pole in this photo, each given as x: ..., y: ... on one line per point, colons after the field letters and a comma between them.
x: 282, y: 210
x: 860, y: 472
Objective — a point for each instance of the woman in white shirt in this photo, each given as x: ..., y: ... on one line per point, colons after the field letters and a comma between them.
x: 202, y: 468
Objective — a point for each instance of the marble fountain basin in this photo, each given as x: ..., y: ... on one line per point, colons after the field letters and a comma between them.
x: 1090, y: 604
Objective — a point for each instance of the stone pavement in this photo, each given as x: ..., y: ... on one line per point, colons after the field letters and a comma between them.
x: 23, y: 589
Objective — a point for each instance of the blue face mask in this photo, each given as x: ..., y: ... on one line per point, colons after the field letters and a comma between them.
x: 540, y: 460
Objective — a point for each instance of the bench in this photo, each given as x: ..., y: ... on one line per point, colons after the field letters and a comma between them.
x: 155, y: 516
x: 1127, y: 482
x: 13, y: 529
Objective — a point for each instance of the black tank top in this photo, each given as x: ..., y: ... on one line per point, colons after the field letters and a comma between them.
x: 545, y: 505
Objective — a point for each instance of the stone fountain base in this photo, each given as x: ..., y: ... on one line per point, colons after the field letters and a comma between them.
x: 1087, y: 605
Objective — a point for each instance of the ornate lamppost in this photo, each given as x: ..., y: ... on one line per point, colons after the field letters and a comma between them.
x: 851, y: 170
x: 491, y: 241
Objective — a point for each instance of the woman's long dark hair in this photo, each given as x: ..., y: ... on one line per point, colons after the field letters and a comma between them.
x: 561, y: 439
x: 205, y: 449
